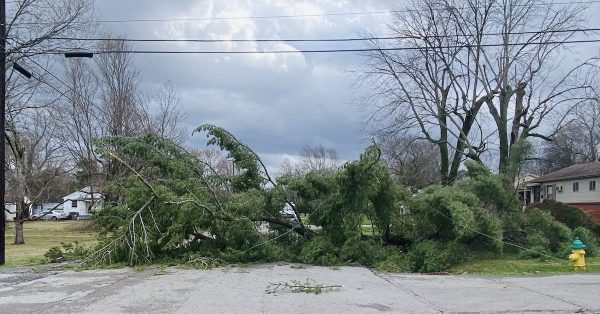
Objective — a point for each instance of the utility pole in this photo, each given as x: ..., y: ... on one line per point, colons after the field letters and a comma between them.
x: 2, y: 124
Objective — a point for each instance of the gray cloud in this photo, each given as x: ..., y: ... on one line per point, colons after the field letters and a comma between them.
x: 274, y: 103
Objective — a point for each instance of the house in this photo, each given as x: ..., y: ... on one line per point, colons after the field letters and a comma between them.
x: 10, y: 211
x: 525, y: 188
x: 83, y: 202
x: 577, y: 185
x: 35, y: 209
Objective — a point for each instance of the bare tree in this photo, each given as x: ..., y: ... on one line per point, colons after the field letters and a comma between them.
x: 576, y: 142
x: 312, y: 158
x: 35, y: 162
x: 413, y: 162
x: 319, y: 158
x: 587, y: 120
x: 165, y: 119
x: 34, y: 157
x: 118, y: 80
x: 216, y: 160
x: 82, y: 124
x: 460, y: 57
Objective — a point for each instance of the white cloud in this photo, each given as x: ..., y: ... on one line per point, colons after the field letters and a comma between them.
x: 276, y: 103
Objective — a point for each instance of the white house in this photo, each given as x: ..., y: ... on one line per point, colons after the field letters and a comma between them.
x: 42, y: 207
x: 10, y: 211
x: 83, y: 202
x: 577, y: 185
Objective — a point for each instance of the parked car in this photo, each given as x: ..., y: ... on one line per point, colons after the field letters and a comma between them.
x: 288, y: 212
x: 51, y: 215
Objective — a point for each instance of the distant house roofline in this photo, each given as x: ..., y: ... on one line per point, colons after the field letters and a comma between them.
x: 577, y: 171
x: 86, y: 193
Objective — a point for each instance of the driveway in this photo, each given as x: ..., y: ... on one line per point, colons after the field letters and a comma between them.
x: 267, y: 289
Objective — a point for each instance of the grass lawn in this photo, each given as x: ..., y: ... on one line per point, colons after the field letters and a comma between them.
x: 42, y: 235
x: 514, y: 266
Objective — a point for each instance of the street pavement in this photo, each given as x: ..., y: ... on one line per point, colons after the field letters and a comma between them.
x: 252, y: 290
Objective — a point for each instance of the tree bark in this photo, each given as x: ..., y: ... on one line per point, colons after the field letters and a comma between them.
x: 19, y: 238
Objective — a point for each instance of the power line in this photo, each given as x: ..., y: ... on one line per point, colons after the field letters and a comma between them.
x: 63, y: 83
x: 576, y: 30
x: 100, y: 52
x: 284, y: 16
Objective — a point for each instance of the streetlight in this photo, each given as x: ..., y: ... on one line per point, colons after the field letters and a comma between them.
x: 27, y: 74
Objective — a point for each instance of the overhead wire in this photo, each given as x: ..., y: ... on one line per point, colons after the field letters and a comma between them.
x: 289, y: 16
x: 130, y: 51
x: 349, y: 39
x: 63, y: 94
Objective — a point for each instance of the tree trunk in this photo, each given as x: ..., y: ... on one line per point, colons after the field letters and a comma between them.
x: 19, y: 239
x: 19, y: 219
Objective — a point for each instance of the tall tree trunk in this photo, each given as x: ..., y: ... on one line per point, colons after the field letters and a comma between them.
x: 19, y: 239
x: 19, y: 220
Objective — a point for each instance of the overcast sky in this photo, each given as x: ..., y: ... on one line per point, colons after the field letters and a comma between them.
x: 275, y: 103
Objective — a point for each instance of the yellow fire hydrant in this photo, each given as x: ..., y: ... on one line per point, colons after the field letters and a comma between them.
x: 577, y: 256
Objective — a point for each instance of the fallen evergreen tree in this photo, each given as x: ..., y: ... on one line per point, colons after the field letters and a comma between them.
x: 171, y: 205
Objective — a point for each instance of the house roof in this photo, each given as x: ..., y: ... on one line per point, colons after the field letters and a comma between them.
x: 576, y: 171
x: 83, y: 194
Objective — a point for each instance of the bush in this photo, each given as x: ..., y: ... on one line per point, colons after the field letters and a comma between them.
x: 55, y: 255
x: 364, y: 253
x: 394, y: 262
x: 69, y: 251
x: 589, y: 239
x: 319, y: 251
x: 449, y: 214
x: 545, y: 235
x: 75, y: 250
x: 513, y: 230
x: 571, y: 216
x: 432, y: 256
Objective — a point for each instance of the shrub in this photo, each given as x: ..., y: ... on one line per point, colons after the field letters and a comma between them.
x: 54, y: 255
x: 571, y: 216
x: 365, y: 253
x: 449, y: 214
x: 319, y: 251
x: 75, y: 250
x: 394, y: 261
x: 545, y: 235
x: 432, y: 256
x: 589, y: 239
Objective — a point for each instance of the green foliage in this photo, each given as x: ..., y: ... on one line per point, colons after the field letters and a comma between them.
x: 337, y: 201
x: 308, y: 286
x: 394, y: 261
x: 433, y: 256
x: 513, y: 230
x: 518, y: 154
x: 69, y: 251
x: 245, y: 159
x: 591, y: 241
x: 494, y: 191
x: 545, y: 235
x: 365, y: 253
x: 449, y: 214
x: 571, y: 216
x: 168, y: 205
x: 55, y: 255
x: 319, y: 251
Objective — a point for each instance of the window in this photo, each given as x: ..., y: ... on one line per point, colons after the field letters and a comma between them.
x: 575, y: 186
x: 74, y: 204
x: 592, y: 185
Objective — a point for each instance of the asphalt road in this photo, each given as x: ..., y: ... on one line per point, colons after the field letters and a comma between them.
x: 252, y: 290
